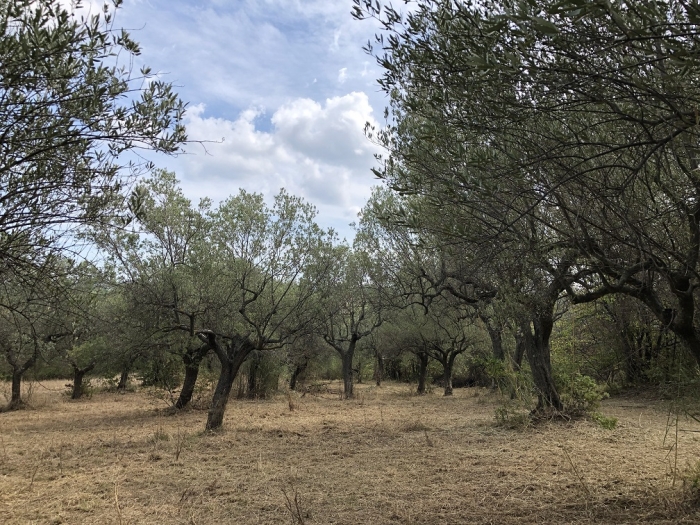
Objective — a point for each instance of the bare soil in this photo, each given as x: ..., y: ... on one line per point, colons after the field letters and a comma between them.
x: 386, y: 457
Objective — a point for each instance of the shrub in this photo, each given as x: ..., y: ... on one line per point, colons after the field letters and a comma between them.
x: 581, y: 395
x: 512, y: 416
x: 605, y: 422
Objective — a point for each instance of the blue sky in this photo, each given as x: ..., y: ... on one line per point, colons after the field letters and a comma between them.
x: 282, y: 87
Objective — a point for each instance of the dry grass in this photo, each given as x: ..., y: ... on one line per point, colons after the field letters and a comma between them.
x: 387, y: 457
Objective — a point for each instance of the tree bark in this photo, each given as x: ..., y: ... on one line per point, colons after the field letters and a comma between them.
x: 221, y: 394
x: 78, y: 375
x: 379, y: 369
x: 192, y: 359
x: 537, y: 350
x: 422, y: 371
x: 188, y: 384
x: 16, y: 389
x: 298, y: 370
x: 16, y: 396
x: 348, y: 386
x: 123, y: 379
x: 495, y: 334
x: 448, y: 365
x: 231, y: 358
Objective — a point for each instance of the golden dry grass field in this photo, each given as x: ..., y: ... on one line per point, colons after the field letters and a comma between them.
x: 386, y: 457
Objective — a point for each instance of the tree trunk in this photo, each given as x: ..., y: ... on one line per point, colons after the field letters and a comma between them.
x: 348, y: 386
x: 223, y: 388
x: 448, y: 365
x: 16, y: 390
x: 495, y: 334
x: 16, y: 396
x: 78, y: 375
x: 379, y: 369
x: 231, y: 359
x: 538, y: 356
x: 188, y: 384
x: 123, y: 379
x: 422, y: 371
x: 298, y: 370
x: 192, y: 360
x: 254, y: 366
x: 520, y: 346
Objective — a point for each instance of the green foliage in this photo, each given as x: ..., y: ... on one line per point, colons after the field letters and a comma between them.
x: 70, y: 106
x: 488, y: 371
x: 581, y: 394
x: 512, y: 415
x: 163, y: 370
x: 530, y: 158
x: 606, y: 422
x: 267, y: 369
x: 81, y: 355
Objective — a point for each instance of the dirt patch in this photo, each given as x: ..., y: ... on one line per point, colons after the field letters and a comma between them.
x: 386, y: 457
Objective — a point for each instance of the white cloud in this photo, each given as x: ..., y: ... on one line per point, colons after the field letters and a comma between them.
x: 283, y: 87
x: 254, y: 52
x: 317, y: 151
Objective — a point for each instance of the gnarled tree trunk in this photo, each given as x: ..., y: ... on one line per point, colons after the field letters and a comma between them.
x: 298, y: 370
x: 231, y: 358
x: 18, y: 372
x: 123, y: 379
x: 192, y: 360
x: 536, y: 339
x: 78, y: 376
x: 495, y: 334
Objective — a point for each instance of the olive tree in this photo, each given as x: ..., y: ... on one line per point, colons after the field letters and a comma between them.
x: 355, y: 305
x: 579, y: 117
x: 71, y: 110
x: 272, y: 263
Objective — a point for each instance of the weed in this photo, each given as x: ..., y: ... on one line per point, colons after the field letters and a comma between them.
x: 179, y: 444
x: 159, y: 434
x: 116, y: 502
x: 691, y: 482
x: 512, y: 416
x: 4, y: 451
x: 578, y: 474
x: 608, y: 423
x: 31, y: 483
x: 293, y: 504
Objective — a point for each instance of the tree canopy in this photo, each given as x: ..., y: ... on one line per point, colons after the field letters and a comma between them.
x: 71, y: 109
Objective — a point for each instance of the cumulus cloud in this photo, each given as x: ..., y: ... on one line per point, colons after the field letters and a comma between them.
x: 317, y: 151
x: 281, y: 88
